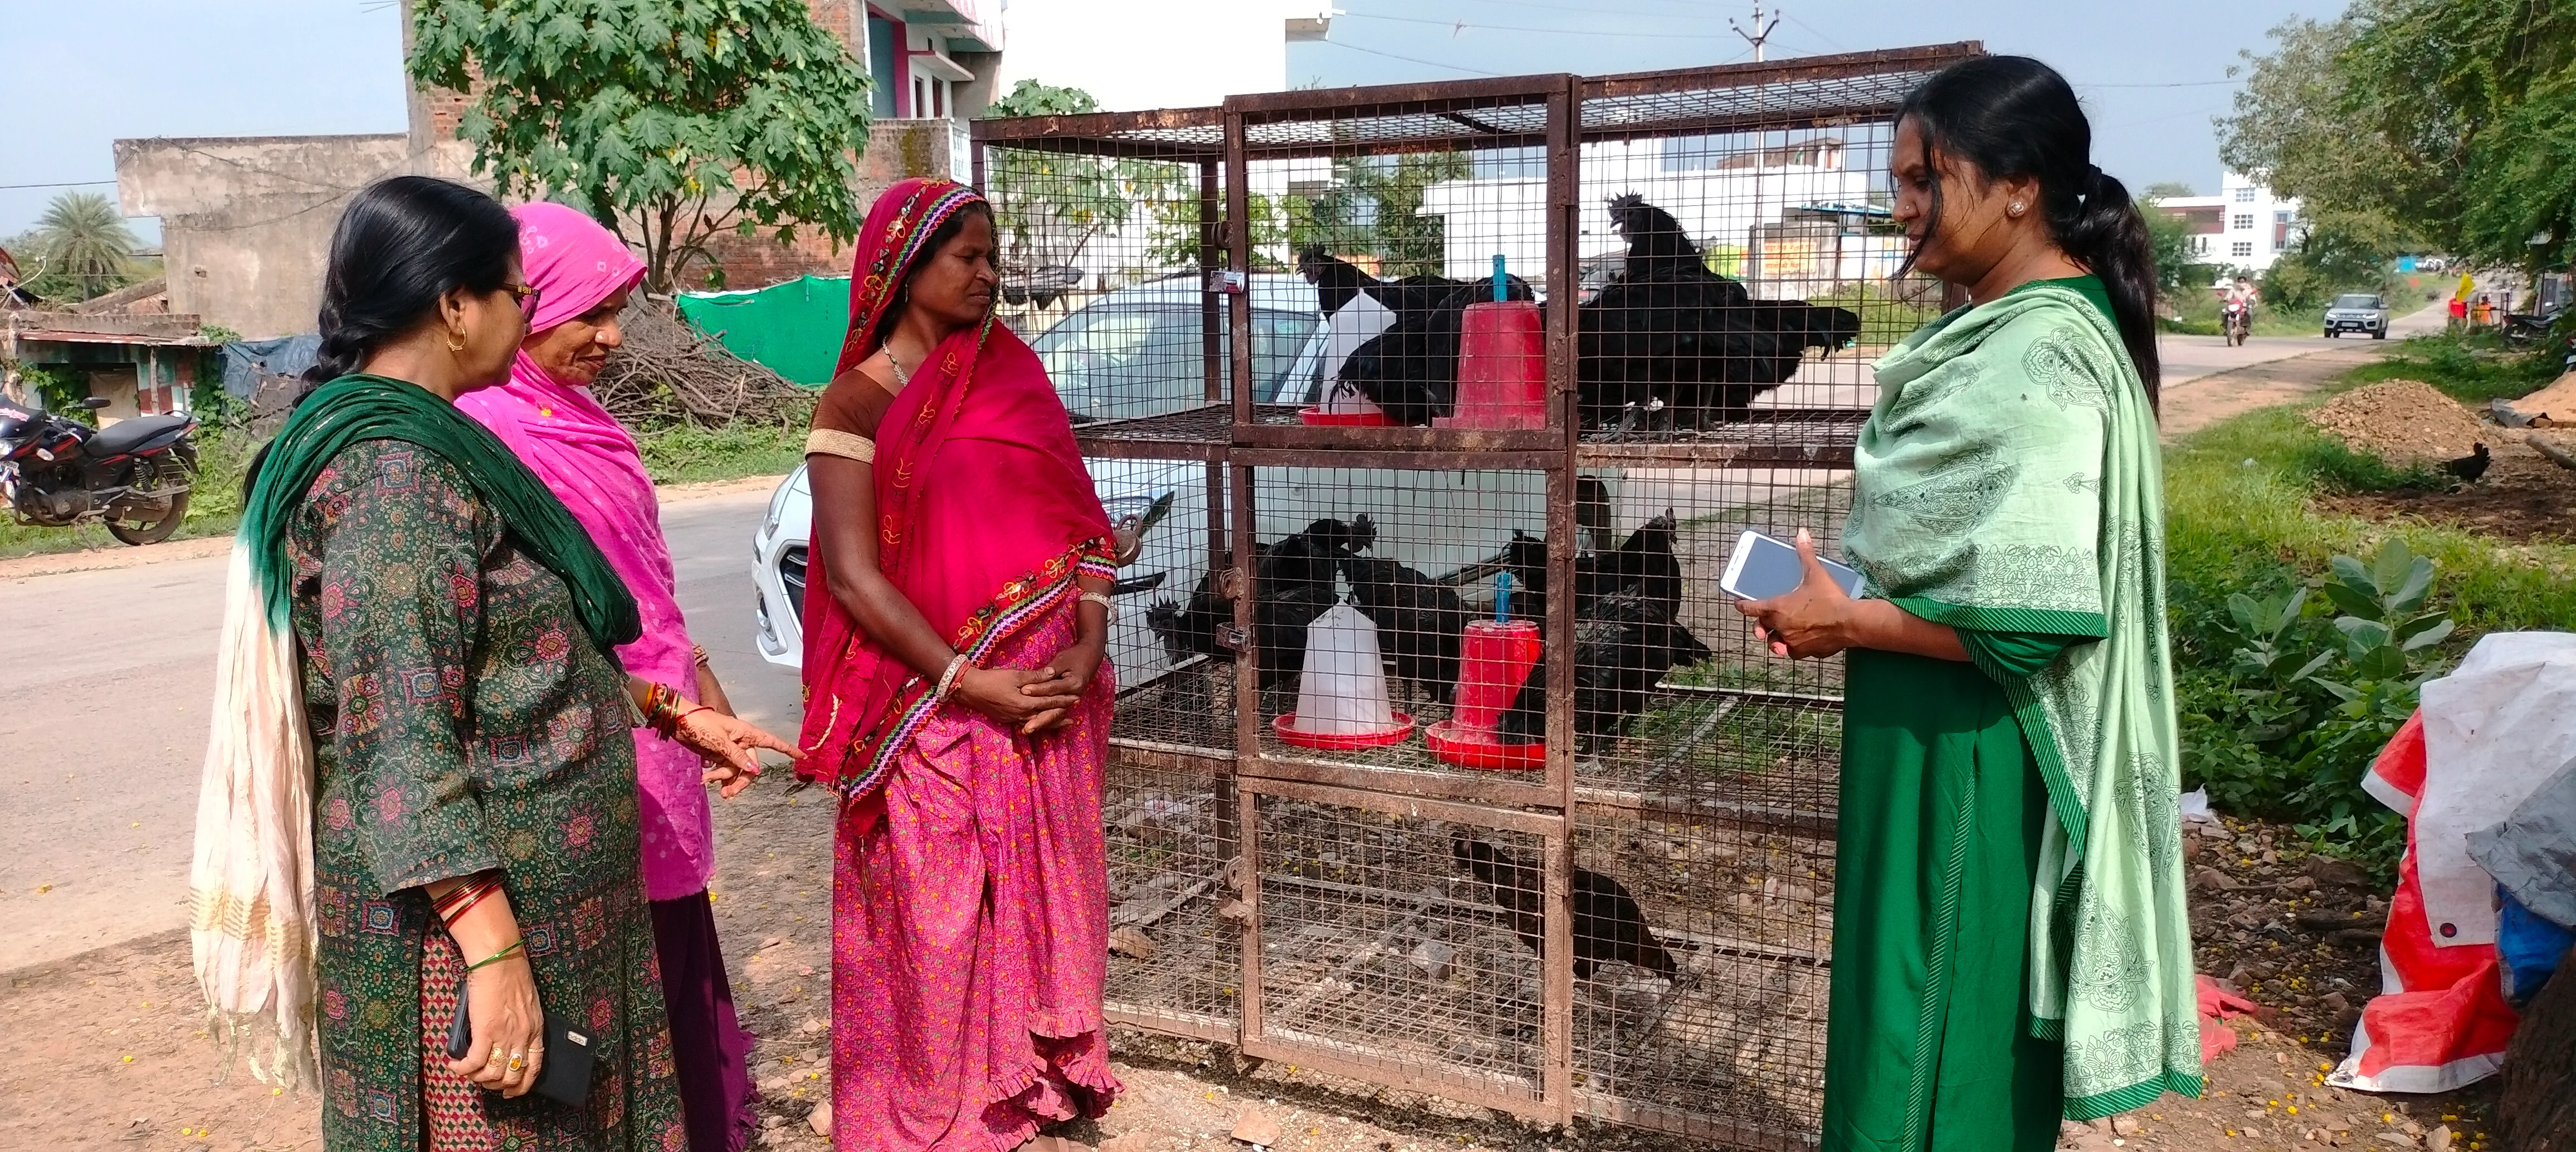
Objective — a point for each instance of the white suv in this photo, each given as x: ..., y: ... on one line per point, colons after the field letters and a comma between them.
x: 1139, y: 352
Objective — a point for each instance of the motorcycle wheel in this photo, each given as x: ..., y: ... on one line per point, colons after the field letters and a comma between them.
x: 145, y: 475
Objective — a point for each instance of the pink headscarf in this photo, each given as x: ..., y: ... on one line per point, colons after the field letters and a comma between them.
x: 592, y: 464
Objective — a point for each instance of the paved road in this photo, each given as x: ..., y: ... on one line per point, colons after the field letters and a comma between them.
x: 2189, y: 358
x: 106, y: 676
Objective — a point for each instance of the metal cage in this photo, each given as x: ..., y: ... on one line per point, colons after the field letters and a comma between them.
x: 1441, y: 760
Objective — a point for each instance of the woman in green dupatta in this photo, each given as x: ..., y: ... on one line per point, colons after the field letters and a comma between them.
x: 2010, y: 940
x: 420, y: 785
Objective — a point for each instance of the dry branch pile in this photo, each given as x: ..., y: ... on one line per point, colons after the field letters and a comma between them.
x: 666, y: 373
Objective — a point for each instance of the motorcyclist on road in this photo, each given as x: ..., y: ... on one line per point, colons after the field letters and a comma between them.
x: 2238, y: 305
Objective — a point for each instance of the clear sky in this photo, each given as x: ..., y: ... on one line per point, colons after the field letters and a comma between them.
x: 81, y: 73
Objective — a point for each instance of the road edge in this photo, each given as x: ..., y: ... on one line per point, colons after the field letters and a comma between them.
x: 103, y: 559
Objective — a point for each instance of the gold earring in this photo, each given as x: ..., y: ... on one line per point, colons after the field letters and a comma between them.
x: 454, y: 344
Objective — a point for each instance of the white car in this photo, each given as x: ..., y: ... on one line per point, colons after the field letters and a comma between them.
x: 1139, y: 352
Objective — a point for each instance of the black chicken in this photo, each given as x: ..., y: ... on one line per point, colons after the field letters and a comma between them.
x: 1419, y: 620
x: 2471, y: 466
x: 1623, y: 645
x: 1627, y: 631
x: 1645, y: 563
x: 1293, y: 584
x: 1608, y: 924
x: 1410, y: 370
x: 1666, y: 328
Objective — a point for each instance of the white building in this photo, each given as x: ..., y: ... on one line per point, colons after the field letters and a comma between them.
x: 2244, y: 226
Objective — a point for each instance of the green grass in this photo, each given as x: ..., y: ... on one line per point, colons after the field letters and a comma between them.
x: 2237, y: 515
x: 2471, y: 368
x: 688, y: 454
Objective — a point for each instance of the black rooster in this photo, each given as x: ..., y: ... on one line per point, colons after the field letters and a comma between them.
x: 1623, y: 645
x: 2471, y: 466
x: 1419, y: 620
x: 1627, y: 631
x: 1410, y: 370
x: 1666, y: 328
x: 1645, y: 563
x: 1293, y: 584
x: 1608, y: 924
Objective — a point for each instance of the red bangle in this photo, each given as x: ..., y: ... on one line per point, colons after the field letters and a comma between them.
x: 451, y: 915
x: 463, y: 896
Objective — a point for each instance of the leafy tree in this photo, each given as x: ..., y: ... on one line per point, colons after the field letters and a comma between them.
x: 2412, y: 124
x: 1409, y: 242
x: 2178, y: 267
x: 80, y: 248
x: 671, y: 121
x: 2168, y: 189
x: 1053, y: 205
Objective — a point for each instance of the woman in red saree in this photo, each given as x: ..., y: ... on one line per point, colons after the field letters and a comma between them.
x: 958, y: 700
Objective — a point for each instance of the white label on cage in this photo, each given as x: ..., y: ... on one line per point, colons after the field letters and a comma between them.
x: 1226, y: 280
x: 1343, y: 692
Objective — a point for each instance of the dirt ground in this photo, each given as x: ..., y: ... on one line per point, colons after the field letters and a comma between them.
x: 2196, y: 404
x: 2523, y: 496
x: 107, y: 1050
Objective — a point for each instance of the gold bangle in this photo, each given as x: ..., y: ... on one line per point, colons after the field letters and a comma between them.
x: 699, y: 653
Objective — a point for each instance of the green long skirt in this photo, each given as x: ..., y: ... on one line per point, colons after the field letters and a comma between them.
x: 1927, y: 1044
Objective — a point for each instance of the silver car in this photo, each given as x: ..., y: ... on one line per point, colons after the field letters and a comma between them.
x: 2357, y: 312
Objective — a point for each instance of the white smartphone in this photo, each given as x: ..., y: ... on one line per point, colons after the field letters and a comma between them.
x: 1763, y: 568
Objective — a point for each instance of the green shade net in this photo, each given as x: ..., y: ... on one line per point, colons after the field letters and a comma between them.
x: 793, y: 329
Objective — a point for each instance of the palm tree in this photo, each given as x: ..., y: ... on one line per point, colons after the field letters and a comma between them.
x: 82, y: 242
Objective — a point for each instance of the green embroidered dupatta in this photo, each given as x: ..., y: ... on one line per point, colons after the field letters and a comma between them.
x: 2009, y: 481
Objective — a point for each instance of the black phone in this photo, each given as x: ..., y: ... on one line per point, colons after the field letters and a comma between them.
x: 570, y: 1055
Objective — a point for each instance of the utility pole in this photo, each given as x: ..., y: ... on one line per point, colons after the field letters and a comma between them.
x: 1761, y: 31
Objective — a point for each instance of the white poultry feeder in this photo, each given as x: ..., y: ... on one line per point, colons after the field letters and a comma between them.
x: 1341, y: 697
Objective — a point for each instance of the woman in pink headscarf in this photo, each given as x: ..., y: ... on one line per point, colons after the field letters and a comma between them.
x: 546, y: 414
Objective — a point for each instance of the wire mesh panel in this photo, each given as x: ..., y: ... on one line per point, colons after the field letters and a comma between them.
x: 1110, y: 228
x: 1738, y: 251
x: 1724, y: 728
x: 1176, y: 930
x: 1722, y: 1032
x: 1434, y: 670
x: 1175, y: 692
x: 1385, y: 601
x: 1404, y: 942
x: 1421, y: 214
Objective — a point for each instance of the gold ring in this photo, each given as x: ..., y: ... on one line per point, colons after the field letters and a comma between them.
x: 517, y: 1061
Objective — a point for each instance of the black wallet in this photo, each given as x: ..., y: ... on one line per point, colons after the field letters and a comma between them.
x: 570, y: 1055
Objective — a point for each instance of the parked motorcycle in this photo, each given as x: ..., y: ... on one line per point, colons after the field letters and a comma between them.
x: 133, y: 475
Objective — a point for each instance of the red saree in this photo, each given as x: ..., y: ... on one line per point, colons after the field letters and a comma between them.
x: 970, y: 893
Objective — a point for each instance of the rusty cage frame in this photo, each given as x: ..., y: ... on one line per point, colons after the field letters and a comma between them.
x: 1230, y: 435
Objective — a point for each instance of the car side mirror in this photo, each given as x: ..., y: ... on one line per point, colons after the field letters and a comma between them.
x: 91, y: 403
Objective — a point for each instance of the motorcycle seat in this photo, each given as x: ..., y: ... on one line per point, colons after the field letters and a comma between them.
x: 129, y: 434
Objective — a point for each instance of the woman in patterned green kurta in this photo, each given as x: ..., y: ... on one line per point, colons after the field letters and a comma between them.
x: 2010, y: 944
x: 450, y: 633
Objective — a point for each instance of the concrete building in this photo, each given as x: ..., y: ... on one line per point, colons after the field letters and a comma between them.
x: 247, y: 221
x: 2243, y: 227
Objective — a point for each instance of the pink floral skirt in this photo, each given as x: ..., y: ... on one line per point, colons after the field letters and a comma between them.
x: 971, y: 932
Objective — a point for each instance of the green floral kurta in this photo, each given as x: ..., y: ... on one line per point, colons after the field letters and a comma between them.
x: 462, y: 720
